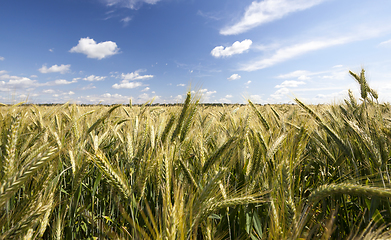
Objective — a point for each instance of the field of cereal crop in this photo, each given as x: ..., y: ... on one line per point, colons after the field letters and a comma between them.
x: 193, y: 171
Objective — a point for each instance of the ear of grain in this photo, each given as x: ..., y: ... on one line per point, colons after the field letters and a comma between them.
x: 347, y: 188
x: 101, y: 119
x: 116, y: 178
x: 218, y: 154
x: 12, y: 185
x: 259, y: 115
x: 188, y: 121
x: 188, y: 175
x: 181, y: 118
x: 10, y: 161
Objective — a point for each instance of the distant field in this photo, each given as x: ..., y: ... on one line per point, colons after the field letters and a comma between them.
x: 197, y: 172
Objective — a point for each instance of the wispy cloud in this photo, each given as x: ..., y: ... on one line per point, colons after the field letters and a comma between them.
x: 289, y: 52
x: 181, y: 85
x: 234, y: 77
x: 2, y: 58
x: 145, y: 89
x: 385, y: 43
x: 208, y: 15
x: 126, y: 20
x: 55, y: 68
x: 132, y: 4
x: 89, y: 86
x: 336, y: 72
x: 101, y: 50
x: 236, y: 48
x: 262, y: 12
x: 294, y: 74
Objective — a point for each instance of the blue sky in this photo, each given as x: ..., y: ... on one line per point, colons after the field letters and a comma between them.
x: 269, y: 51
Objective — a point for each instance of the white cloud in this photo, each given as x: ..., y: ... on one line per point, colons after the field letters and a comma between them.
x: 2, y: 58
x: 236, y: 48
x: 247, y: 83
x: 178, y: 98
x: 15, y: 82
x: 256, y: 99
x: 132, y: 4
x: 89, y: 47
x: 92, y: 78
x: 181, y: 85
x: 33, y: 76
x: 206, y: 95
x: 135, y: 76
x: 225, y: 100
x: 109, y: 98
x: 304, y: 77
x: 55, y: 68
x: 10, y: 83
x: 280, y: 93
x: 145, y: 89
x: 332, y: 96
x: 49, y: 91
x: 51, y: 49
x: 105, y: 98
x: 61, y: 82
x: 286, y: 53
x: 142, y: 98
x: 293, y: 83
x: 234, y: 77
x: 125, y: 84
x: 22, y: 81
x: 262, y: 12
x: 131, y: 77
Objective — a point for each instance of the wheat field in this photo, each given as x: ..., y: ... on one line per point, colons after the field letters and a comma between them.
x: 194, y: 171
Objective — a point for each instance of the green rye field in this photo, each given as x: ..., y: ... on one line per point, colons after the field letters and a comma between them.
x: 194, y: 171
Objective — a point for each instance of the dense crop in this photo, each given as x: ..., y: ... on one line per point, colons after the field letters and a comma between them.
x: 197, y: 172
